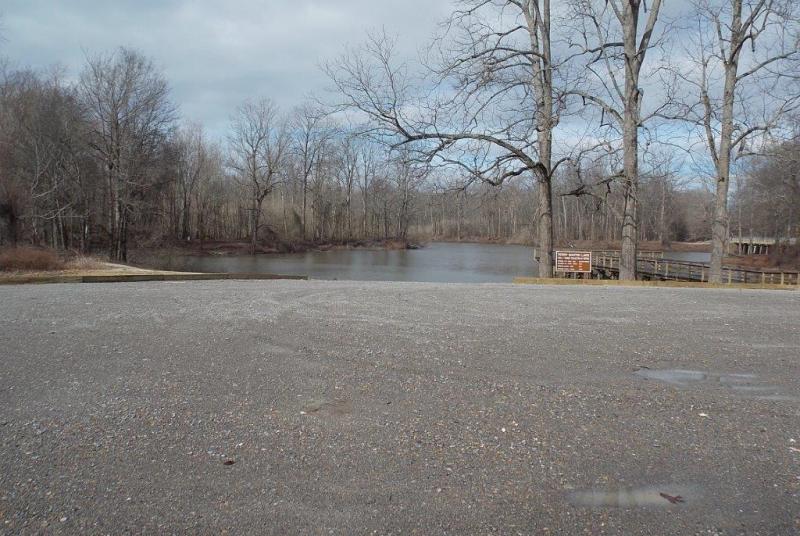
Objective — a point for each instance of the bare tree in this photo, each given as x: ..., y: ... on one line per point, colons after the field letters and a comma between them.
x: 368, y: 156
x: 744, y: 71
x: 347, y: 175
x: 495, y: 107
x: 310, y: 131
x: 406, y: 176
x: 127, y: 100
x: 258, y: 144
x: 192, y: 163
x: 767, y: 195
x: 43, y: 157
x: 611, y: 36
x: 210, y: 190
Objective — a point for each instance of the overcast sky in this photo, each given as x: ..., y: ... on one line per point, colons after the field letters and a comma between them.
x: 214, y: 53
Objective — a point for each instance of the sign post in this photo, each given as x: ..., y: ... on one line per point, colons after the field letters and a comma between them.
x: 579, y: 262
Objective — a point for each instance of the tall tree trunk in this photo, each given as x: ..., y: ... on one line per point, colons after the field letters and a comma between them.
x: 283, y: 206
x: 185, y: 217
x: 113, y: 212
x: 366, y: 231
x: 349, y: 211
x: 121, y: 245
x: 630, y: 141
x: 544, y: 225
x: 662, y: 215
x: 460, y: 209
x: 630, y: 216
x: 538, y: 21
x: 254, y: 225
x: 305, y: 201
x: 719, y: 225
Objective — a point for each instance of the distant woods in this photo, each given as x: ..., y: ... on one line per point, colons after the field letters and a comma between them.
x: 105, y: 164
x: 523, y: 124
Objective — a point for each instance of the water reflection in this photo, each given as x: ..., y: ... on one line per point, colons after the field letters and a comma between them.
x: 688, y: 256
x: 745, y: 384
x: 437, y: 262
x: 663, y: 496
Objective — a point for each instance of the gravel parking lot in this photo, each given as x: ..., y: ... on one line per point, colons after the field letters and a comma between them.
x: 312, y: 407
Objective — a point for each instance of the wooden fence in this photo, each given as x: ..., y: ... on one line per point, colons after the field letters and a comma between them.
x: 669, y: 270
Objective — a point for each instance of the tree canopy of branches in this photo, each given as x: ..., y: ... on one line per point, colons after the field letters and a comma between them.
x: 523, y: 122
x: 489, y: 107
x: 743, y: 81
x: 130, y: 117
x: 259, y: 143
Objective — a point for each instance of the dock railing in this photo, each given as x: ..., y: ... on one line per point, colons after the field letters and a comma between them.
x: 670, y: 270
x: 616, y: 252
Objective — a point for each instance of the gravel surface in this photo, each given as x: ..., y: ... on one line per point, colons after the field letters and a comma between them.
x: 292, y: 407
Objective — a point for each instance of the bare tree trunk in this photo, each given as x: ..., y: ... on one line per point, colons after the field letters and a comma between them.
x: 630, y: 140
x: 185, y: 221
x: 538, y: 22
x: 719, y: 225
x: 365, y: 215
x: 460, y: 215
x: 544, y: 224
x: 305, y: 200
x: 283, y: 207
x: 121, y: 249
x: 630, y: 217
x: 349, y: 211
x: 253, y: 226
x: 663, y: 214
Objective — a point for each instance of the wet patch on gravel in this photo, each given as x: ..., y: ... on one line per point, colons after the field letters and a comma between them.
x: 646, y: 496
x: 744, y: 384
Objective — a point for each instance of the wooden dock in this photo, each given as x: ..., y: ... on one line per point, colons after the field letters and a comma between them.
x: 651, y: 266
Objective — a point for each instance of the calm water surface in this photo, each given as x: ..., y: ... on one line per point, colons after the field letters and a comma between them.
x: 688, y: 256
x: 436, y: 262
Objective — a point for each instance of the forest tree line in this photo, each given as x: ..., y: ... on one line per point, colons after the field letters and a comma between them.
x: 106, y: 163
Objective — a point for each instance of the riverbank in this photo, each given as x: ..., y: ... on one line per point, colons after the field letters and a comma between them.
x: 30, y: 265
x: 590, y: 245
x: 242, y: 247
x: 647, y: 245
x: 787, y: 258
x: 98, y: 270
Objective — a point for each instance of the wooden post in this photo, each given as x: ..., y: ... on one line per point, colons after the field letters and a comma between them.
x: 730, y: 276
x: 666, y: 269
x: 763, y: 278
x: 782, y: 279
x: 702, y: 275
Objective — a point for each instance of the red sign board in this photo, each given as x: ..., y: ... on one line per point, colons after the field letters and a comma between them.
x: 574, y: 261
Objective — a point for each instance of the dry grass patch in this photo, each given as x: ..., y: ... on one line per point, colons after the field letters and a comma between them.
x: 86, y: 263
x: 30, y: 259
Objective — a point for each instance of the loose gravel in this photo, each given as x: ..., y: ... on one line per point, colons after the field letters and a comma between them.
x: 294, y: 407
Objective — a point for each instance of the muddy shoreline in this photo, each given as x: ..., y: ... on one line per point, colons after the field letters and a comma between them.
x: 229, y: 247
x: 593, y: 245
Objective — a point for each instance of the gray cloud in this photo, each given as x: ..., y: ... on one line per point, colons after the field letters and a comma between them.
x: 214, y: 53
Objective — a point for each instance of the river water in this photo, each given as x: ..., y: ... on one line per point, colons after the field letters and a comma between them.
x: 436, y: 262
